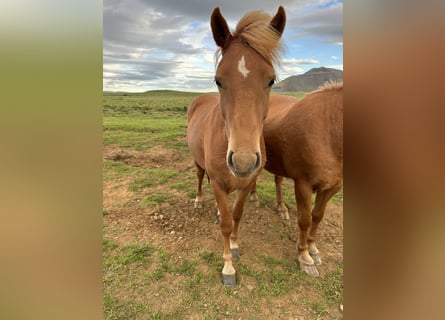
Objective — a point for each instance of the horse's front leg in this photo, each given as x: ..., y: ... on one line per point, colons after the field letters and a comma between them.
x: 254, y: 197
x: 226, y: 225
x: 200, y: 175
x: 238, y: 209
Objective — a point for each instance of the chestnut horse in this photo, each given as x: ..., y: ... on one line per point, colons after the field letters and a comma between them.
x: 225, y: 135
x: 304, y: 142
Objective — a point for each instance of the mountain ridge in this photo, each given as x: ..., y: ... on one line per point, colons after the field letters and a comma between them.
x: 309, y: 80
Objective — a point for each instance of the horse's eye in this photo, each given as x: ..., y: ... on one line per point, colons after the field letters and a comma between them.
x: 218, y: 83
x: 272, y: 82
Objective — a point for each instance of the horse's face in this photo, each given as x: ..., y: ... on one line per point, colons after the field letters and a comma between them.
x: 244, y: 79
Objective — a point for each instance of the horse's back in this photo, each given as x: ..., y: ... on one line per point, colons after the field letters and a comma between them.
x: 279, y: 106
x: 199, y: 115
x: 278, y: 102
x: 202, y: 105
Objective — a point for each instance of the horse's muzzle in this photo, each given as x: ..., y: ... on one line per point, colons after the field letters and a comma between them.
x: 243, y: 164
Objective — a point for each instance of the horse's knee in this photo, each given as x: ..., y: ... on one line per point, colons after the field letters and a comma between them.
x: 304, y: 222
x: 226, y: 226
x: 317, y: 217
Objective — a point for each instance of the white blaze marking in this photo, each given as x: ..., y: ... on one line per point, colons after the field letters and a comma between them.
x: 242, y: 67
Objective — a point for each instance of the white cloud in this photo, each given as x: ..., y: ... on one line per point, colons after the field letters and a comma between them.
x: 335, y: 66
x: 299, y: 61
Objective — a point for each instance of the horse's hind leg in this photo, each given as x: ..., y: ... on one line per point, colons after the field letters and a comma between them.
x: 303, y: 196
x: 254, y: 197
x: 200, y: 174
x: 281, y: 207
x: 321, y: 201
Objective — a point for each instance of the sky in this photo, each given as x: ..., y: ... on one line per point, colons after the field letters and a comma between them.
x: 168, y: 44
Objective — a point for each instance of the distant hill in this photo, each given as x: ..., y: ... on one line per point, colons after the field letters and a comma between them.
x: 310, y: 80
x: 152, y: 93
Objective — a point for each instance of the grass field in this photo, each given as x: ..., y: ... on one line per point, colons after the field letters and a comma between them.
x: 162, y: 259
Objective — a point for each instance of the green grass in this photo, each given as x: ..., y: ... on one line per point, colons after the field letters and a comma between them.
x: 275, y: 279
x: 338, y: 197
x: 152, y: 177
x: 317, y: 307
x: 331, y: 286
x: 154, y: 199
x: 297, y: 94
x: 133, y: 253
x: 113, y: 170
x: 266, y: 190
x: 142, y: 133
x: 149, y: 103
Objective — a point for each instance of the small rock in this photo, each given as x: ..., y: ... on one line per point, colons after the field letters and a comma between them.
x: 172, y: 232
x: 341, y: 308
x: 249, y: 287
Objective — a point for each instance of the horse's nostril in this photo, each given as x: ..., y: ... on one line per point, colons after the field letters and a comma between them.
x: 229, y: 159
x: 258, y: 160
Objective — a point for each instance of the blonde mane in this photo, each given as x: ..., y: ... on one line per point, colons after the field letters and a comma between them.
x: 253, y: 30
x: 329, y: 86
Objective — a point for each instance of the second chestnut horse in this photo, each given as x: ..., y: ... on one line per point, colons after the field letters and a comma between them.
x: 304, y: 142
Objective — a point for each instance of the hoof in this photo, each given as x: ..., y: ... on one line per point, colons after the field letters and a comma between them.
x: 198, y: 205
x: 254, y: 199
x: 283, y: 212
x: 317, y: 259
x: 229, y: 279
x: 309, y: 269
x: 256, y: 203
x: 286, y: 215
x: 235, y: 254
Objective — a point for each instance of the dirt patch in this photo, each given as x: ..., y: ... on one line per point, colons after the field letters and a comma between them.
x: 156, y: 157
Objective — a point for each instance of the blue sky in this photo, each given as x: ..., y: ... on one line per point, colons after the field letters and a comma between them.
x: 168, y: 44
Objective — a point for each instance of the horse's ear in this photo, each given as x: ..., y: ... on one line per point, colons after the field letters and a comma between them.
x: 279, y: 20
x: 220, y: 29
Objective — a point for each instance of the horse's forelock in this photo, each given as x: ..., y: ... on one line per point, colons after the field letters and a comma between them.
x: 254, y: 30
